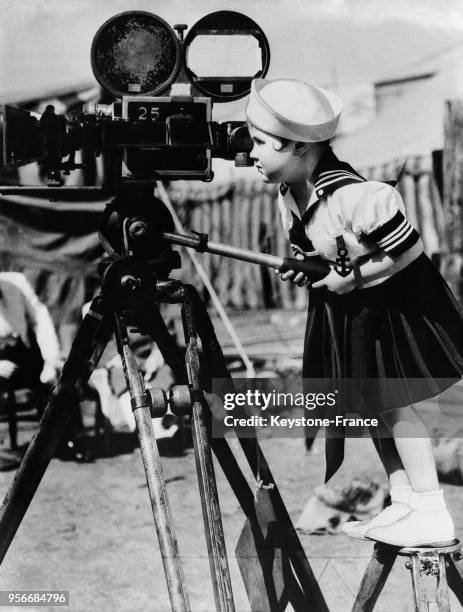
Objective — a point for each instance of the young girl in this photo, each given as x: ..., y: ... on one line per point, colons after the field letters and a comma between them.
x: 383, y: 317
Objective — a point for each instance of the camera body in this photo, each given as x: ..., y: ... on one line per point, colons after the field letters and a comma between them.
x: 143, y: 136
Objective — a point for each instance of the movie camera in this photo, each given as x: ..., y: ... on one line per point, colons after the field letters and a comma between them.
x: 159, y: 124
x: 144, y: 137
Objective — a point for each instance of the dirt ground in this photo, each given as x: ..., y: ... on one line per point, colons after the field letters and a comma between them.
x: 89, y: 529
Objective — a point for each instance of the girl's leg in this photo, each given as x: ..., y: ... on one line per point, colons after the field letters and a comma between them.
x: 414, y: 448
x: 390, y: 458
x: 424, y: 520
x: 399, y: 483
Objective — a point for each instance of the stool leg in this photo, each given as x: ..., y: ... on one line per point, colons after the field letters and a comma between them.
x: 419, y: 595
x: 442, y: 587
x: 374, y: 578
x: 455, y: 574
x: 429, y: 569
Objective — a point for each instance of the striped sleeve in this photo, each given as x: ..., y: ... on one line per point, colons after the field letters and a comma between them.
x: 379, y: 214
x: 396, y: 235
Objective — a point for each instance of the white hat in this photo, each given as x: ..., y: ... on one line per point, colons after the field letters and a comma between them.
x: 293, y: 109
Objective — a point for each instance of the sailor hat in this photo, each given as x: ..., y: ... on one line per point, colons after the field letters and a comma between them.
x: 293, y: 109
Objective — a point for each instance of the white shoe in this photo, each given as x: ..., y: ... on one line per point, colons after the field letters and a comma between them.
x: 426, y: 523
x: 399, y: 507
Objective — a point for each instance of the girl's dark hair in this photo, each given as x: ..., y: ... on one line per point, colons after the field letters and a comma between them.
x: 284, y: 142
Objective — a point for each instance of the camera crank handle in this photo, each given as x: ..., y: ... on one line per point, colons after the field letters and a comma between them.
x: 314, y: 268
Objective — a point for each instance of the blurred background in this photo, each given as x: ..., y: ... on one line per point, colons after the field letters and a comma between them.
x: 398, y: 67
x: 394, y: 64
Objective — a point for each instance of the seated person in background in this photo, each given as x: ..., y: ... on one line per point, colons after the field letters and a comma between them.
x: 29, y: 349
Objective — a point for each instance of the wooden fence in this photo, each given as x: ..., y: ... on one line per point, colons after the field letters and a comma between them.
x: 245, y: 214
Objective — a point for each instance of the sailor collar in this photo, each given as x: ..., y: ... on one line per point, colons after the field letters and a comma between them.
x: 329, y: 175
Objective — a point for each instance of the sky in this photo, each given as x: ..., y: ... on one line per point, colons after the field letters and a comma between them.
x: 45, y: 44
x: 339, y: 44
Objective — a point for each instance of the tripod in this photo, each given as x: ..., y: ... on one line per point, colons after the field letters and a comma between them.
x: 135, y: 281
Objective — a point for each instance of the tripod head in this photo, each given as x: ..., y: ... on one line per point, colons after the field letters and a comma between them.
x: 131, y: 232
x: 133, y: 223
x: 137, y: 228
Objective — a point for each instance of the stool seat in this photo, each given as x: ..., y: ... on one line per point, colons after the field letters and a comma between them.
x: 445, y: 549
x: 433, y: 570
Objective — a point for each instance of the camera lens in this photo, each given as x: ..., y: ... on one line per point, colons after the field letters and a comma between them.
x: 135, y: 53
x: 223, y: 52
x: 240, y: 139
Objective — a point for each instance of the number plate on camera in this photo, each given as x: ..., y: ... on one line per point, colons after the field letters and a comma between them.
x: 150, y: 108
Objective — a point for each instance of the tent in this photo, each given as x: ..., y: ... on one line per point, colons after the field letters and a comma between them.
x: 57, y: 247
x: 411, y: 126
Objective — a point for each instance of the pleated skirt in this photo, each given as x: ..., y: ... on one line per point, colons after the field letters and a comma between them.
x: 395, y: 344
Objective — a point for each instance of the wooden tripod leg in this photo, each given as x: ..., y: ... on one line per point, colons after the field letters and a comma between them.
x: 215, y: 539
x: 296, y: 553
x: 254, y: 456
x: 154, y: 473
x: 154, y: 325
x: 91, y: 339
x: 374, y: 578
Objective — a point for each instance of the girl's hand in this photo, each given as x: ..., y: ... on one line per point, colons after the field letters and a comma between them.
x: 299, y: 278
x: 335, y: 283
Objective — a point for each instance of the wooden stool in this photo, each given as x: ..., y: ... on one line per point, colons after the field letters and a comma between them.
x: 432, y: 569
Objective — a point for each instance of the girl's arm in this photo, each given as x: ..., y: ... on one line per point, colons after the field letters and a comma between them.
x: 379, y: 266
x: 383, y: 264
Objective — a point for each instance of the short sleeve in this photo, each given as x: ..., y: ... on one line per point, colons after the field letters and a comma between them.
x: 380, y: 215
